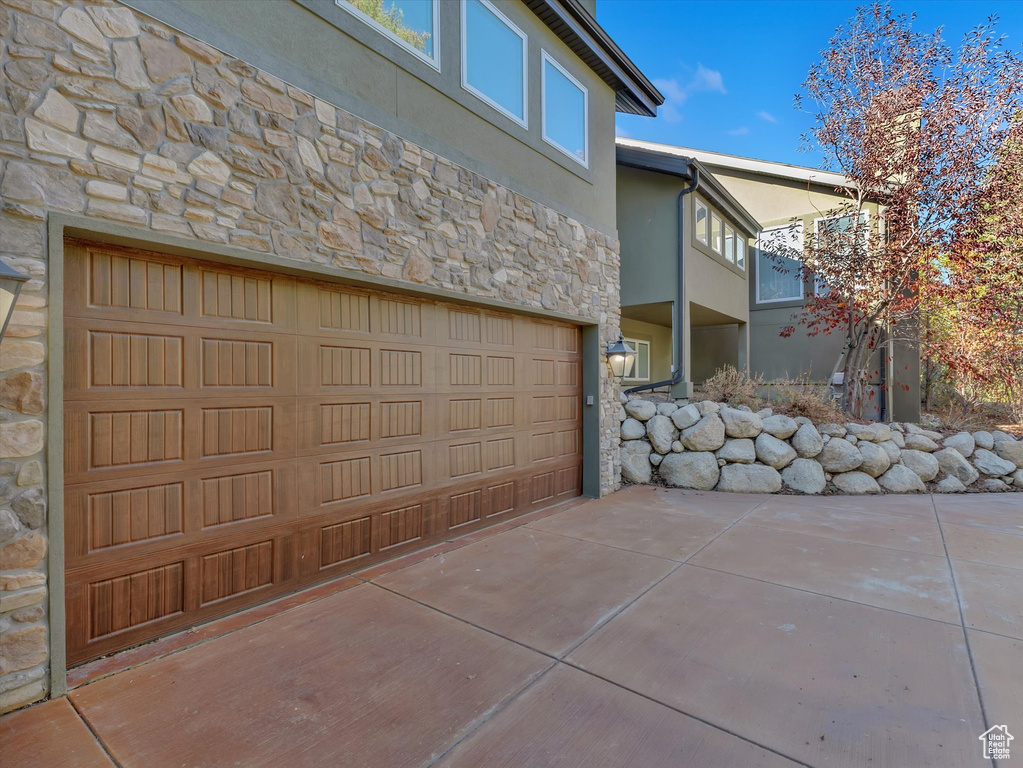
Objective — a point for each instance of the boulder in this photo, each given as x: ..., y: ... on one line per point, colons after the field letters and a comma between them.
x: 898, y: 438
x: 738, y: 451
x: 851, y: 439
x: 677, y: 447
x: 893, y: 451
x: 708, y: 434
x: 633, y: 430
x: 1017, y: 478
x: 641, y: 410
x: 840, y: 456
x: 709, y: 406
x: 952, y: 463
x: 656, y: 459
x: 765, y: 412
x: 622, y: 415
x: 994, y: 485
x: 875, y: 458
x: 804, y: 475
x: 913, y: 429
x: 998, y: 436
x: 685, y: 416
x: 801, y: 420
x: 666, y: 409
x: 900, y: 479
x: 984, y: 439
x: 774, y: 452
x: 833, y: 430
x: 990, y: 464
x: 780, y: 426
x: 749, y: 478
x: 1010, y: 452
x: 874, y: 433
x: 921, y: 443
x: 740, y: 423
x: 950, y: 485
x: 660, y: 432
x: 856, y: 483
x: 962, y: 442
x: 636, y: 462
x: 925, y: 465
x: 692, y: 469
x: 807, y: 441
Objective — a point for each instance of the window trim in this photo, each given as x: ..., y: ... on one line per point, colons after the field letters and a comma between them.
x: 524, y: 120
x: 705, y: 240
x: 864, y: 215
x: 802, y: 282
x: 433, y: 61
x: 544, y: 59
x: 719, y: 249
x: 634, y: 343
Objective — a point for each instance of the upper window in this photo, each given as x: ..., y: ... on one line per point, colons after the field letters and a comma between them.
x: 779, y: 273
x: 565, y: 109
x: 641, y: 366
x: 729, y: 243
x: 837, y: 232
x: 715, y: 232
x: 494, y: 59
x: 412, y: 24
x: 701, y: 221
x: 740, y: 251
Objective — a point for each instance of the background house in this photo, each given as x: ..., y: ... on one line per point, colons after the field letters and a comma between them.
x: 309, y: 288
x: 787, y: 202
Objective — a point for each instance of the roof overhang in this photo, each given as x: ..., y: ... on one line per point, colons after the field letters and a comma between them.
x: 747, y: 164
x: 570, y: 21
x: 683, y: 167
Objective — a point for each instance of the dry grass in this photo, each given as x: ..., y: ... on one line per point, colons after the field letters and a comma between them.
x: 732, y: 386
x: 802, y: 396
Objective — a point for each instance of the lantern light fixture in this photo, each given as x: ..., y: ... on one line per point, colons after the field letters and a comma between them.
x: 621, y: 357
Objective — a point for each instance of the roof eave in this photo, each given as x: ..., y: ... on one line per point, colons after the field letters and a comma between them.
x: 570, y: 21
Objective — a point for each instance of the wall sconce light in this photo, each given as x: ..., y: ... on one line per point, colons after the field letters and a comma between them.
x: 11, y: 282
x: 621, y: 357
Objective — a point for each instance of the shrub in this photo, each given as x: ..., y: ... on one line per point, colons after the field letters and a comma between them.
x: 802, y: 396
x: 732, y: 386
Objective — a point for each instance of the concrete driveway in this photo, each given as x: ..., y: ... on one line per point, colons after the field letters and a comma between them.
x: 651, y: 628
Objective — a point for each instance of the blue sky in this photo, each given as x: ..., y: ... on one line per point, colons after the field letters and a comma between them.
x: 729, y: 70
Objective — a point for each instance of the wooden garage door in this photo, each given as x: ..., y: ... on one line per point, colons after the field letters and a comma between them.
x: 231, y: 435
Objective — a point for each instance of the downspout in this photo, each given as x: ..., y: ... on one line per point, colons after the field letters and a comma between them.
x: 680, y: 340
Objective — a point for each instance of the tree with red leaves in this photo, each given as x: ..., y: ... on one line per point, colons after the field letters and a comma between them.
x: 915, y: 128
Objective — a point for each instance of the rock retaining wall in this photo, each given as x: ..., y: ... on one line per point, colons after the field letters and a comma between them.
x: 711, y: 446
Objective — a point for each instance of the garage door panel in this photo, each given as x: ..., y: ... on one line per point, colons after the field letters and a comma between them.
x: 120, y: 439
x: 231, y: 434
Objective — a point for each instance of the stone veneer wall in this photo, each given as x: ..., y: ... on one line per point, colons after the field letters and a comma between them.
x: 108, y: 113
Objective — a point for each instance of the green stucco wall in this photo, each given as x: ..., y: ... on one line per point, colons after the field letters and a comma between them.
x: 659, y: 337
x: 323, y: 49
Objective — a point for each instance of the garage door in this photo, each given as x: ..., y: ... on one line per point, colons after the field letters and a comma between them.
x: 231, y: 435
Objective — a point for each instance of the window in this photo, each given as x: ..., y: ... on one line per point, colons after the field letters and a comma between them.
x: 641, y: 367
x: 740, y: 251
x: 779, y: 273
x: 565, y: 111
x: 412, y: 24
x: 715, y: 232
x: 729, y: 243
x: 494, y: 59
x: 701, y: 221
x: 837, y: 232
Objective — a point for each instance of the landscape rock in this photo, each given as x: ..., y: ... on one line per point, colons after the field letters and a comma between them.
x: 636, y: 467
x: 925, y: 465
x: 692, y: 469
x: 921, y: 443
x: 999, y: 436
x: 875, y: 459
x: 641, y: 410
x: 677, y: 447
x: 749, y: 478
x: 900, y: 479
x: 952, y: 463
x: 856, y: 483
x: 893, y: 451
x: 991, y: 464
x: 741, y: 423
x: 913, y: 429
x: 666, y: 409
x: 874, y: 433
x: 804, y: 475
x: 994, y: 485
x: 709, y: 406
x: 656, y: 459
x: 780, y: 426
x: 661, y: 432
x: 898, y: 438
x: 632, y: 429
x: 774, y: 452
x: 962, y: 442
x: 708, y: 434
x: 807, y: 441
x: 832, y: 430
x: 950, y: 485
x: 1010, y: 451
x: 840, y: 456
x: 685, y: 416
x: 984, y: 439
x: 738, y: 451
